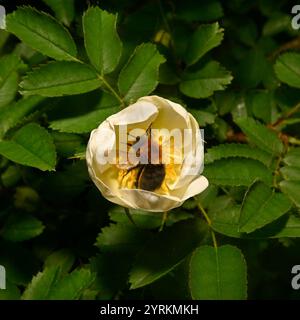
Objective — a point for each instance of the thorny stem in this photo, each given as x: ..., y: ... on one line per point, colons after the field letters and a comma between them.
x: 293, y: 44
x: 241, y: 137
x: 206, y: 217
x: 294, y: 110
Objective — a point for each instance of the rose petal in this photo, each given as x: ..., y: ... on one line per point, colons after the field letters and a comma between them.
x: 137, y: 113
x: 164, y: 114
x: 101, y: 146
x: 171, y: 115
x: 150, y: 201
x: 195, y: 187
x: 108, y: 192
x: 193, y: 163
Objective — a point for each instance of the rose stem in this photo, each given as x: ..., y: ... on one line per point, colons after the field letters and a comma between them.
x: 163, y: 220
x: 213, y: 235
x: 128, y: 214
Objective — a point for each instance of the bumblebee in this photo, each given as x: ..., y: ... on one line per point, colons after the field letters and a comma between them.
x: 150, y: 176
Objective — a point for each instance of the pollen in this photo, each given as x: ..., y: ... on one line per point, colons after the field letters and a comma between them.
x: 127, y: 178
x: 172, y: 174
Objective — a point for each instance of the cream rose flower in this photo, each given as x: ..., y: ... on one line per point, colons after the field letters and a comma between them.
x: 168, y: 176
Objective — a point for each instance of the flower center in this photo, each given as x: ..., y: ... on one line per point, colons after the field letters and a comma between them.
x: 149, y: 172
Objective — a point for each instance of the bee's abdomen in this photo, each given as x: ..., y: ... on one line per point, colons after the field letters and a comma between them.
x: 151, y: 177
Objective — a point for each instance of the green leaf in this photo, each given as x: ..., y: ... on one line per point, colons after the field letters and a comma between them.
x: 4, y: 35
x: 203, y: 83
x: 119, y: 237
x: 247, y: 32
x: 26, y: 198
x: 277, y: 23
x: 21, y: 227
x: 63, y: 259
x: 218, y: 273
x: 11, y: 292
x: 207, y: 197
x: 260, y: 135
x: 220, y: 203
x: 8, y: 78
x: 41, y: 284
x: 288, y: 227
x: 226, y: 222
x: 292, y: 190
x: 8, y: 64
x: 205, y: 38
x: 71, y: 286
x: 146, y: 219
x: 191, y: 10
x: 226, y: 101
x: 110, y: 278
x: 261, y: 104
x: 292, y: 158
x: 46, y: 285
x: 261, y: 206
x: 252, y: 69
x: 11, y: 176
x: 290, y: 173
x: 64, y: 10
x: 67, y: 144
x: 174, y: 285
x: 151, y: 263
x: 11, y: 115
x: 31, y: 146
x: 42, y: 32
x: 167, y: 74
x: 9, y: 89
x: 65, y: 185
x: 237, y: 172
x: 60, y: 78
x: 143, y: 219
x: 203, y: 117
x: 102, y: 42
x: 139, y: 76
x: 229, y: 150
x: 12, y: 257
x: 287, y: 69
x: 85, y: 123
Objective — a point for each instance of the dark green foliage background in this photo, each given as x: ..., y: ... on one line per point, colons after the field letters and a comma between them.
x: 60, y: 239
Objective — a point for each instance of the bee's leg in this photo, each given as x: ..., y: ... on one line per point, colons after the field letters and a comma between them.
x: 128, y: 144
x: 137, y: 182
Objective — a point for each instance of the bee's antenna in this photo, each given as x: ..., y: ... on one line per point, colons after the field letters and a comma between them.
x: 128, y: 144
